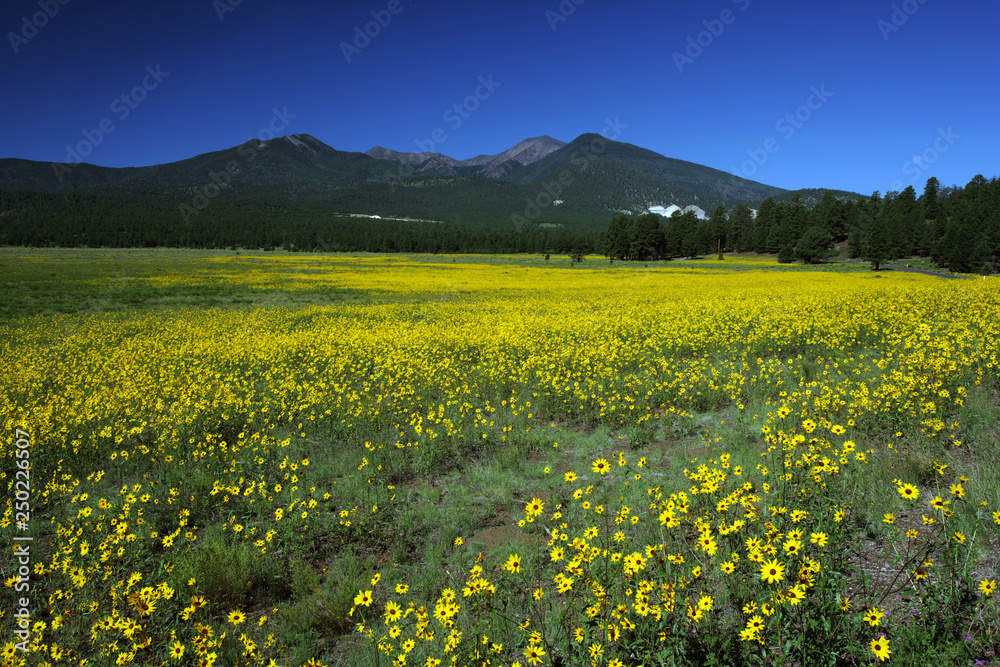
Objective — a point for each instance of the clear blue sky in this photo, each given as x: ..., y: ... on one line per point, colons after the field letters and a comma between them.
x: 924, y: 83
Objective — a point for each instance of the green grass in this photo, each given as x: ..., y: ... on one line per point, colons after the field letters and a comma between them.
x: 46, y: 282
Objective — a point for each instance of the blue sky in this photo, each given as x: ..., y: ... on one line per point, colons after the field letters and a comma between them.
x: 852, y: 95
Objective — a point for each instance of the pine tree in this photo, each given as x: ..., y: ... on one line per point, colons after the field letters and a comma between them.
x: 929, y: 200
x: 647, y: 237
x: 779, y: 233
x: 960, y: 238
x: 828, y: 214
x: 618, y: 238
x: 766, y: 216
x: 687, y: 231
x: 909, y: 222
x: 672, y: 235
x: 786, y: 255
x: 958, y: 260
x: 740, y: 224
x: 981, y: 259
x: 878, y: 246
x: 814, y: 246
x: 717, y: 226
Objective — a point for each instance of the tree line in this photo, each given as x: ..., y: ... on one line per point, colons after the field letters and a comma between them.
x: 29, y: 218
x: 958, y: 227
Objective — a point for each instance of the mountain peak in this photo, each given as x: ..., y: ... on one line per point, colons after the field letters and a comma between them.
x: 586, y: 137
x: 521, y: 154
x: 492, y: 166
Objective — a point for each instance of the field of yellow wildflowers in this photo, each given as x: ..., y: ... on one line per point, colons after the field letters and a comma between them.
x: 292, y: 459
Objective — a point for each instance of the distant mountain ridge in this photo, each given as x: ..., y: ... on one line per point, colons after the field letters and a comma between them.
x: 291, y: 163
x: 540, y: 180
x: 380, y: 153
x: 524, y: 153
x: 491, y: 166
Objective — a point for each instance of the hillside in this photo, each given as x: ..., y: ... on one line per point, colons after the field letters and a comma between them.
x: 294, y: 165
x: 538, y: 181
x: 704, y: 186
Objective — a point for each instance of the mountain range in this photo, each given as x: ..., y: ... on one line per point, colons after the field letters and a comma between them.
x: 540, y: 180
x: 493, y: 166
